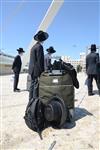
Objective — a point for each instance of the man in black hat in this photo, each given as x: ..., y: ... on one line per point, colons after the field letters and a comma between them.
x: 91, y: 68
x: 36, y: 64
x: 16, y: 67
x: 47, y: 58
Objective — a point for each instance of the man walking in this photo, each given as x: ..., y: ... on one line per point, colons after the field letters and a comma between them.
x: 91, y: 68
x: 16, y: 67
x: 36, y: 64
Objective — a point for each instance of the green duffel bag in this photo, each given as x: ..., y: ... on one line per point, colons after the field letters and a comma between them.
x: 57, y: 85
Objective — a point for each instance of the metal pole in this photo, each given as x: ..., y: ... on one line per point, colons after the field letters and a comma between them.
x: 47, y: 20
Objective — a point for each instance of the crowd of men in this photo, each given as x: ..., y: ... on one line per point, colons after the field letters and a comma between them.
x: 39, y: 63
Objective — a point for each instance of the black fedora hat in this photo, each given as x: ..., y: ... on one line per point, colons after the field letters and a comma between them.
x: 93, y: 47
x: 51, y: 50
x: 20, y: 50
x: 41, y: 36
x: 55, y: 112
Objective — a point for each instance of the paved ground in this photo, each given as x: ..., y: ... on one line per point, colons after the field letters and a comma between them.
x: 81, y: 135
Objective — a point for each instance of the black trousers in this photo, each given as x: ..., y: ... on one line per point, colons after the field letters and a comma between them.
x: 90, y: 80
x: 98, y: 80
x: 34, y: 89
x: 16, y: 80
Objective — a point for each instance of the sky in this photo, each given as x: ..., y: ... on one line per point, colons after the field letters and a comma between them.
x: 75, y: 27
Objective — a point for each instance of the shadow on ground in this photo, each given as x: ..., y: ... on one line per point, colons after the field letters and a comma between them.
x: 79, y: 114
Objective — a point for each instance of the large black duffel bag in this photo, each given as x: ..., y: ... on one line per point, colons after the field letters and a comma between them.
x: 57, y: 85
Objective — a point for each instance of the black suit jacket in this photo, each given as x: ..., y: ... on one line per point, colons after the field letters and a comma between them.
x: 17, y: 64
x: 36, y: 64
x: 92, y: 60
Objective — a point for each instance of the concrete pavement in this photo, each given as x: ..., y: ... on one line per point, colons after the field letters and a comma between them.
x: 82, y: 135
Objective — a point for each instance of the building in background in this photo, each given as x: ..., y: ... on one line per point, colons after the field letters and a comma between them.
x: 76, y: 62
x: 81, y: 61
x: 5, y: 63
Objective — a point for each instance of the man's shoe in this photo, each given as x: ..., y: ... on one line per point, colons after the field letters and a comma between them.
x: 90, y: 94
x: 16, y: 90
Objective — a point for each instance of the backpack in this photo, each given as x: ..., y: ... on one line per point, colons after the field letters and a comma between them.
x: 34, y: 116
x: 38, y: 115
